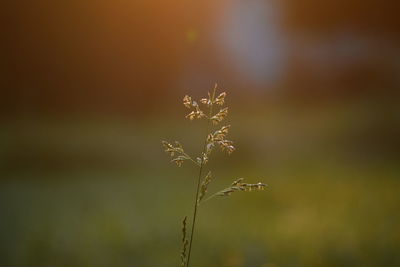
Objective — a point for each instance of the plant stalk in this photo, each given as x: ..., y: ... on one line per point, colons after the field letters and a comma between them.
x: 196, y: 204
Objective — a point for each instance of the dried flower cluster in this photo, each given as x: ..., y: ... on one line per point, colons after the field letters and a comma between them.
x: 213, y: 138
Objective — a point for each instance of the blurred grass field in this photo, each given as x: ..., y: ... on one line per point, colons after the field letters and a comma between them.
x: 307, y: 218
x: 329, y: 203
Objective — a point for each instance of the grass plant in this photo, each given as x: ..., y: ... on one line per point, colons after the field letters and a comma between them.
x: 214, y: 138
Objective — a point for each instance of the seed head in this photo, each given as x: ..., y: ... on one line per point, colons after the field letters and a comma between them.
x: 197, y: 114
x: 204, y: 186
x: 221, y: 133
x: 177, y: 149
x: 238, y: 185
x: 226, y: 145
x: 187, y: 101
x: 185, y: 243
x: 219, y: 116
x: 219, y: 100
x: 179, y: 160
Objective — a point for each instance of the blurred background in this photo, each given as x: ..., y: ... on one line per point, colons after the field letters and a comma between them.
x: 89, y: 88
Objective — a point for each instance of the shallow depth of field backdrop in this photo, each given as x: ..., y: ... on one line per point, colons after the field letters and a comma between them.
x: 89, y: 88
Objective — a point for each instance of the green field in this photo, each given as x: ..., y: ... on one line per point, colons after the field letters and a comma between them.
x: 328, y: 203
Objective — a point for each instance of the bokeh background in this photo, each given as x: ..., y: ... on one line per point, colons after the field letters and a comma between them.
x: 89, y: 88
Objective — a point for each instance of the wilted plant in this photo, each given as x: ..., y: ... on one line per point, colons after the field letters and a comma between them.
x: 213, y: 138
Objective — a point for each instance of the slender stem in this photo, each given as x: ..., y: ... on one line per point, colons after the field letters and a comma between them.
x: 210, y: 197
x: 196, y: 204
x: 190, y: 158
x: 194, y: 213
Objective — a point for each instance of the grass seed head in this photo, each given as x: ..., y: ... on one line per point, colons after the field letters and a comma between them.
x: 187, y: 101
x: 238, y: 185
x: 220, y: 100
x: 217, y: 118
x: 179, y: 160
x: 204, y: 186
x: 185, y: 243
